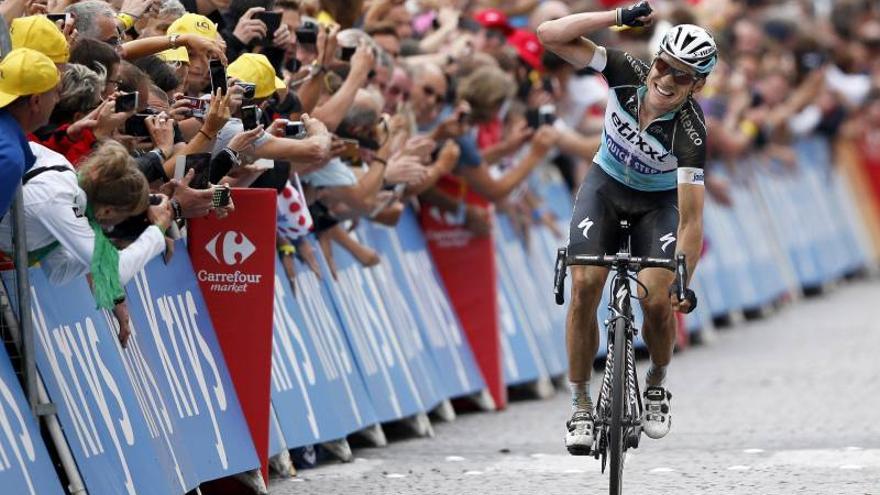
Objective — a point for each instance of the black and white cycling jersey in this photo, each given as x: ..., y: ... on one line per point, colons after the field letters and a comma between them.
x: 670, y: 151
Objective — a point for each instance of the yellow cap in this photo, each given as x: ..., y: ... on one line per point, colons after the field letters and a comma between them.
x: 38, y: 33
x: 256, y: 69
x: 26, y: 72
x: 193, y: 24
x: 178, y: 54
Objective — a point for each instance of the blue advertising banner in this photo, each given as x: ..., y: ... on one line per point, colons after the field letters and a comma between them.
x: 25, y: 467
x: 376, y: 347
x: 512, y: 257
x: 180, y: 376
x: 317, y: 390
x: 276, y: 439
x: 424, y: 291
x: 78, y: 357
x: 404, y: 317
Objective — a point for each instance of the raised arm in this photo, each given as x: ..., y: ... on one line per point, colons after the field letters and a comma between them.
x: 565, y: 36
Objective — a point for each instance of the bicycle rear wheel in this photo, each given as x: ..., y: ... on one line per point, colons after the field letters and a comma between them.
x: 618, y: 397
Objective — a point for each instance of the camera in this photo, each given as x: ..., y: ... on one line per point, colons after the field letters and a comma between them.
x: 250, y: 89
x: 295, y: 130
x: 136, y: 125
x: 127, y: 102
x: 218, y: 76
x: 347, y: 52
x: 307, y: 33
x: 250, y: 117
x: 221, y: 196
x: 197, y: 105
x: 272, y: 20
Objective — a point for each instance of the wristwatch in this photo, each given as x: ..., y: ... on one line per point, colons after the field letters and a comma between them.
x: 172, y: 39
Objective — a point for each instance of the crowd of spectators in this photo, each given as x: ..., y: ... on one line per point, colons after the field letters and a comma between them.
x: 354, y: 110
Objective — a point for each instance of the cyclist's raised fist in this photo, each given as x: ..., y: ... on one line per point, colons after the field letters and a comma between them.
x: 636, y: 15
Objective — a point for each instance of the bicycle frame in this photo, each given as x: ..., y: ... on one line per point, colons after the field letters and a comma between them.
x: 618, y: 414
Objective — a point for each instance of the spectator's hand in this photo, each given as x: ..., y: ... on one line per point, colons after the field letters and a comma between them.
x: 544, y: 140
x: 137, y: 8
x: 420, y: 147
x: 236, y: 96
x: 337, y: 146
x: 478, y: 220
x: 245, y: 140
x: 212, y: 49
x: 362, y: 61
x: 194, y: 203
x: 218, y: 112
x: 161, y: 214
x: 103, y: 121
x: 68, y: 28
x: 326, y: 44
x: 452, y: 127
x: 161, y: 129
x: 448, y: 157
x: 448, y: 17
x: 282, y: 38
x: 248, y: 29
x: 120, y: 311
x: 405, y: 169
x: 278, y: 128
x: 37, y: 7
x: 180, y: 110
x: 314, y: 127
x: 518, y: 137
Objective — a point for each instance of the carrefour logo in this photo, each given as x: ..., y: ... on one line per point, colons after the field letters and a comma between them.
x: 230, y: 248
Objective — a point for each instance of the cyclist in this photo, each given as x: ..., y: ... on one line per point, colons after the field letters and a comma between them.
x: 649, y: 167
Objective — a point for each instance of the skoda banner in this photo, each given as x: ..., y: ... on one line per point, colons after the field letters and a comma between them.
x: 234, y: 261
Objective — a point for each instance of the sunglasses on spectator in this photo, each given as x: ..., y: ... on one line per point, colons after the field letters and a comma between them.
x: 431, y: 92
x: 682, y: 78
x: 395, y: 91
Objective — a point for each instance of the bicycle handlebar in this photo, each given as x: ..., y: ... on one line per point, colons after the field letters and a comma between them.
x: 634, y: 263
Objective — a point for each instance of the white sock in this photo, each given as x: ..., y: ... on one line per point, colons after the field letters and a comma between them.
x: 580, y: 396
x: 656, y: 376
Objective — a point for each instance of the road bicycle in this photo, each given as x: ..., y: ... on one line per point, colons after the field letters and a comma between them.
x: 618, y: 414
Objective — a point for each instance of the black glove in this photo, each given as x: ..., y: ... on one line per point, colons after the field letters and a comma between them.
x: 689, y: 296
x: 629, y: 15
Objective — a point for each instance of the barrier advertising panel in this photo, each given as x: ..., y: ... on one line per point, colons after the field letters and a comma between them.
x: 235, y: 262
x: 375, y: 346
x: 317, y: 390
x: 25, y: 467
x: 78, y: 357
x: 180, y: 376
x: 424, y: 291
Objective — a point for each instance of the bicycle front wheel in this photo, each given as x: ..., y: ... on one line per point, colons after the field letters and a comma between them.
x: 618, y: 397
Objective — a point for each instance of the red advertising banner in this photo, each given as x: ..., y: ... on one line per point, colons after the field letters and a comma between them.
x: 466, y: 264
x: 234, y: 261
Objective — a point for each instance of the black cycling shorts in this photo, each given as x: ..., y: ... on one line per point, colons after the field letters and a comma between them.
x: 600, y: 205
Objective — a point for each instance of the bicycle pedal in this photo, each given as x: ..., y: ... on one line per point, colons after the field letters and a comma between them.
x: 579, y: 450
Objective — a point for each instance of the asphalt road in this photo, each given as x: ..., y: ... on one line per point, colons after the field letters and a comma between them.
x: 784, y: 405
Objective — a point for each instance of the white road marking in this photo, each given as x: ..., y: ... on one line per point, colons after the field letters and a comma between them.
x: 753, y: 451
x: 662, y: 470
x: 852, y: 467
x: 454, y: 458
x: 473, y: 473
x: 395, y: 475
x: 739, y: 468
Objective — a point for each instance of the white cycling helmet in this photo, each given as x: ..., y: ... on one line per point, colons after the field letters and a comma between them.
x: 692, y: 46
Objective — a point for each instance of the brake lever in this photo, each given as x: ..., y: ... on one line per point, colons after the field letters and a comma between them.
x: 681, y: 273
x: 559, y: 276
